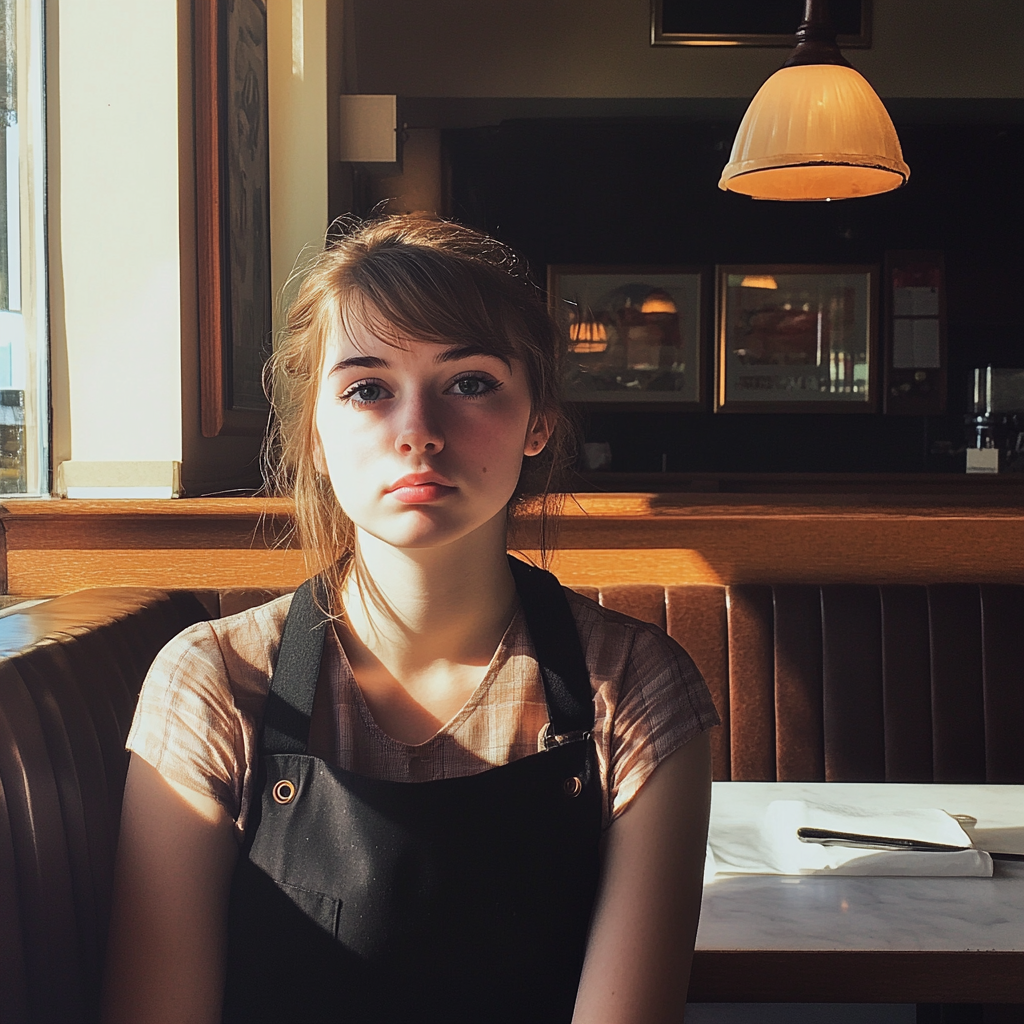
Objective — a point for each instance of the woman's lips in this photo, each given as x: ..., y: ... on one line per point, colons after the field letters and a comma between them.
x: 414, y: 493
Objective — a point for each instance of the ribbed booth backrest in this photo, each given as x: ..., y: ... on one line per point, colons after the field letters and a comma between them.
x: 853, y: 683
x: 70, y: 672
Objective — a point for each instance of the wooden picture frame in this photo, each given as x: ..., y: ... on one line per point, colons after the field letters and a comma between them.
x: 636, y: 334
x: 752, y: 22
x: 914, y: 327
x: 232, y: 214
x: 796, y: 338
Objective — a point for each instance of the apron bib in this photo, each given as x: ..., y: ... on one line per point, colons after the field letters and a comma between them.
x: 465, y: 899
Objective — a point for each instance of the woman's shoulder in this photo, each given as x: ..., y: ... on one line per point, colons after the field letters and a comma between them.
x: 649, y: 696
x: 202, y: 698
x: 247, y: 639
x: 214, y: 672
x: 607, y: 635
x: 637, y: 669
x: 255, y: 633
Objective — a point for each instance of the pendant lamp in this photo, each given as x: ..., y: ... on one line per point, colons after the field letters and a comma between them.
x: 816, y: 130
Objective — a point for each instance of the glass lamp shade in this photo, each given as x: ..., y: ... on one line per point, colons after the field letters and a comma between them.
x: 815, y: 131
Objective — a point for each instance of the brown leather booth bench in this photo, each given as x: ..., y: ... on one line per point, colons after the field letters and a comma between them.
x: 70, y: 672
x: 836, y: 683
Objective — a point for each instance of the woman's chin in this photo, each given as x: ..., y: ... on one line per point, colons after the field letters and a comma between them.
x: 426, y: 533
x: 426, y: 528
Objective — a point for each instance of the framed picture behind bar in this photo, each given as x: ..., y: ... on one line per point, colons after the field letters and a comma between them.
x: 914, y: 304
x: 751, y: 22
x: 636, y: 333
x: 795, y: 338
x: 232, y: 213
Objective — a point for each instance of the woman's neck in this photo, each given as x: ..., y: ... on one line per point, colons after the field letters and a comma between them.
x: 413, y: 609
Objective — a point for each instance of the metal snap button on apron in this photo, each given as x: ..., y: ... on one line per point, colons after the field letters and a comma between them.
x: 284, y: 791
x: 572, y: 786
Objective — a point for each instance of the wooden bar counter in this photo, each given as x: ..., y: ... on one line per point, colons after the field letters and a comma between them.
x: 55, y: 546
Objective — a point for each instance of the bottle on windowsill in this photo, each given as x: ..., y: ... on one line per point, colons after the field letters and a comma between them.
x: 13, y: 467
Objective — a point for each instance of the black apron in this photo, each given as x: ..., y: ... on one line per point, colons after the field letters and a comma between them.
x: 465, y: 899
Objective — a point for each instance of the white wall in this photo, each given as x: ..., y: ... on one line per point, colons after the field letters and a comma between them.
x: 297, y: 54
x: 122, y: 261
x: 601, y: 48
x: 114, y: 193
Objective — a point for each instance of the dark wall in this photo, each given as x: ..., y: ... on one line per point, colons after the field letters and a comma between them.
x: 644, y: 190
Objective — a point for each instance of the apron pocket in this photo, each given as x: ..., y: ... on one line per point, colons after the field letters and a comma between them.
x: 320, y: 908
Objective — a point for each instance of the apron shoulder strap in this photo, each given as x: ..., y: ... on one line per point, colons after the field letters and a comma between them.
x: 290, y: 700
x: 556, y: 641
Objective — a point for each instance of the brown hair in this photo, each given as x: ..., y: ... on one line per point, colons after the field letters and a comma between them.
x: 406, y: 277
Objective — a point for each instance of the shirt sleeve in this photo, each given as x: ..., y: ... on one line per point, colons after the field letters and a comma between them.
x: 662, y: 703
x: 186, y: 723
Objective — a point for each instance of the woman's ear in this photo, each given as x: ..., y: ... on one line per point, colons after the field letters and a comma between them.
x: 541, y: 428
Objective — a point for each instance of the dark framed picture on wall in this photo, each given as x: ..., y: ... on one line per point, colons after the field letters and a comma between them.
x: 751, y: 22
x: 636, y: 333
x: 914, y: 325
x: 796, y: 338
x: 232, y: 214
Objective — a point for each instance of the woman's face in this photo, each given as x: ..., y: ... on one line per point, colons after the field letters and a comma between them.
x: 423, y: 442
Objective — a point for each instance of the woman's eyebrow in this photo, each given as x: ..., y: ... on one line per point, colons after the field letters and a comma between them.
x: 445, y: 355
x: 367, y: 362
x: 451, y: 355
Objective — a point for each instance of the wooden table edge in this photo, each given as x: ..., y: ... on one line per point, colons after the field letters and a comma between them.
x: 857, y: 976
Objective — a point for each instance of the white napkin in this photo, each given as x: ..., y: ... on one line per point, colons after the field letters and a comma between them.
x: 772, y: 846
x: 930, y: 825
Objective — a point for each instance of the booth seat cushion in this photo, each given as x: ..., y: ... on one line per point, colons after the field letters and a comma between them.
x: 70, y: 674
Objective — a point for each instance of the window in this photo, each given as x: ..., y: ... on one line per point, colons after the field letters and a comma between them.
x: 24, y: 399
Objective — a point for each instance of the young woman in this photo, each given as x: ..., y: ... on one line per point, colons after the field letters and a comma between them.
x: 434, y: 785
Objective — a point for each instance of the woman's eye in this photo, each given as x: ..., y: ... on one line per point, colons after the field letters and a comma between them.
x: 366, y: 393
x: 473, y: 387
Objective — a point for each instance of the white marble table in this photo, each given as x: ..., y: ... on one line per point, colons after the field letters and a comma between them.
x: 821, y: 939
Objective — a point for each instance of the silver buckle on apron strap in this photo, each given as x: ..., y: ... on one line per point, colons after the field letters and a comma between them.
x: 560, y: 739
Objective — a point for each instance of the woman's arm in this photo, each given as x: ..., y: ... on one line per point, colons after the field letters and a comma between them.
x: 175, y: 856
x: 637, y: 968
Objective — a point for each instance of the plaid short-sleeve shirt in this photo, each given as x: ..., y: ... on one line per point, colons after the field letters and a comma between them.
x: 198, y: 715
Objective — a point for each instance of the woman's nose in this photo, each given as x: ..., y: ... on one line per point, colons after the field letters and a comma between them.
x: 420, y: 430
